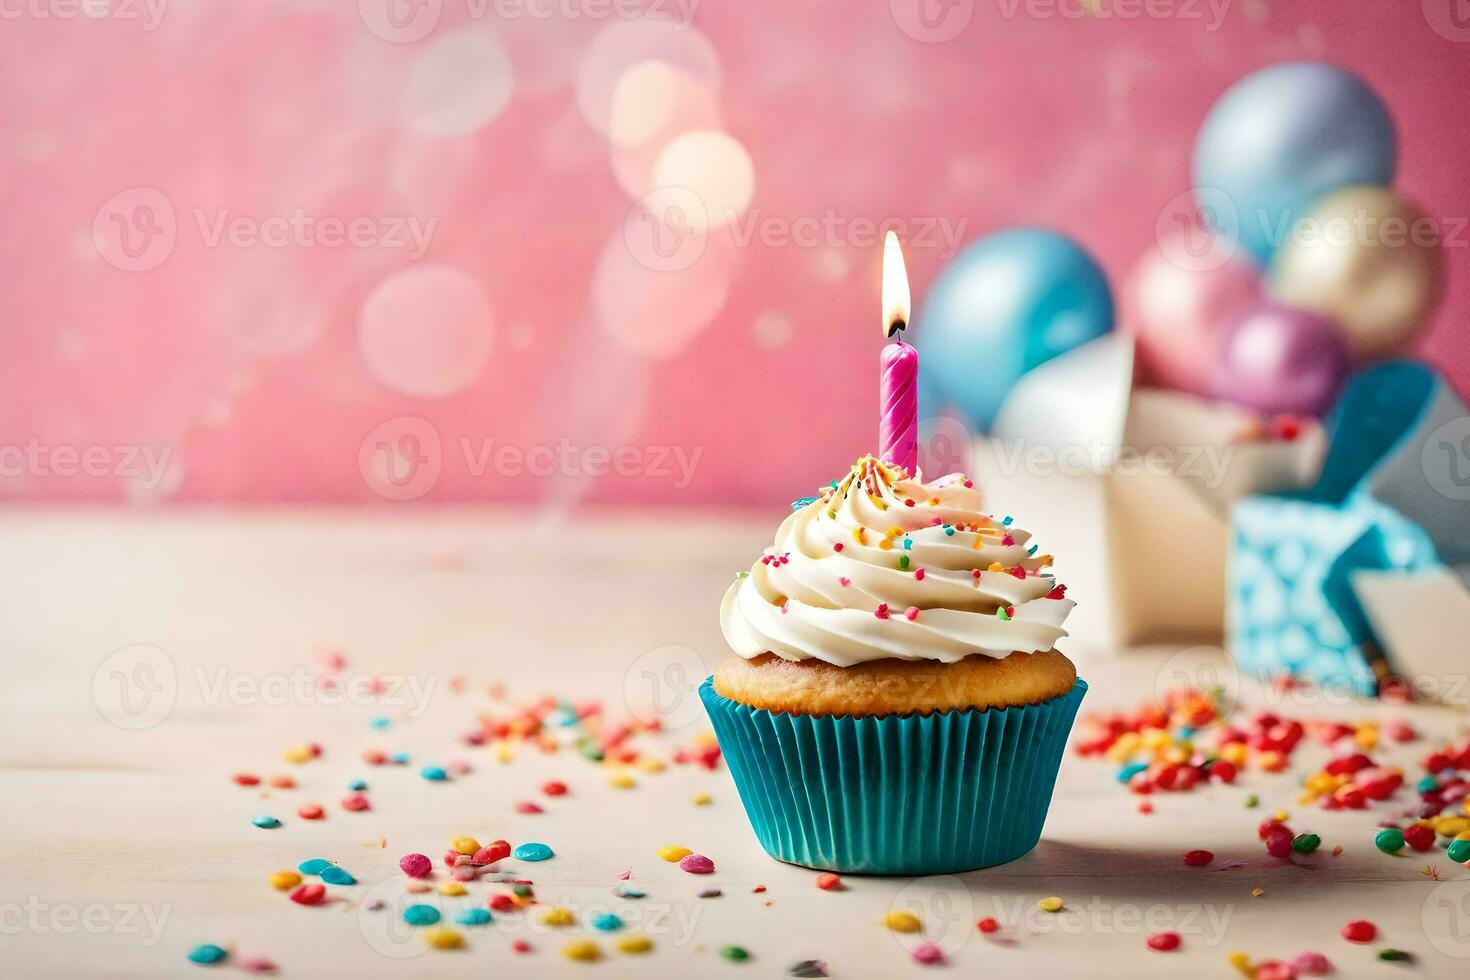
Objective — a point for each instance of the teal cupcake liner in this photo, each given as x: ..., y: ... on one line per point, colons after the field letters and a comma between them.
x: 916, y: 794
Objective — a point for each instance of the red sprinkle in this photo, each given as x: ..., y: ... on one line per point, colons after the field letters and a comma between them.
x: 246, y: 779
x: 311, y: 894
x: 1164, y: 942
x: 988, y: 925
x: 928, y: 953
x: 501, y: 903
x: 1198, y: 859
x: 1360, y: 931
x: 828, y: 881
x: 1419, y: 837
x: 1278, y: 842
x: 908, y: 503
x: 283, y: 782
x: 882, y: 611
x: 415, y: 865
x: 1060, y: 592
x: 356, y: 802
x: 919, y: 574
x: 555, y: 788
x: 837, y: 546
x: 911, y: 613
x: 310, y: 811
x: 491, y: 853
x: 526, y: 806
x: 521, y: 946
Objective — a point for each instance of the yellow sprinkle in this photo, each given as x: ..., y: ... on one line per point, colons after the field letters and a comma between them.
x: 860, y: 535
x: 674, y: 853
x: 1052, y: 904
x: 283, y: 880
x: 933, y: 501
x: 650, y: 764
x: 452, y: 888
x: 464, y: 845
x: 621, y: 780
x: 584, y: 950
x: 1452, y: 826
x: 503, y: 751
x: 1281, y: 815
x: 635, y: 944
x: 707, y: 738
x: 895, y: 532
x: 1366, y: 737
x: 996, y: 566
x: 902, y: 922
x: 1257, y: 892
x: 1046, y: 560
x: 442, y: 938
x: 298, y: 754
x: 700, y: 799
x: 558, y: 917
x: 1242, y: 962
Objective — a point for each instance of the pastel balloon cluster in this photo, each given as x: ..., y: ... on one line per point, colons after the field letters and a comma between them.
x: 1293, y: 261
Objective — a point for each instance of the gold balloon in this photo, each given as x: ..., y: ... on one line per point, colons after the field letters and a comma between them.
x: 1368, y: 259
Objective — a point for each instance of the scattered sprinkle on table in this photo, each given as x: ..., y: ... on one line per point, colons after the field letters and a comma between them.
x: 356, y: 803
x: 635, y: 944
x: 1360, y: 931
x: 443, y: 938
x: 357, y: 785
x: 629, y: 891
x: 696, y: 864
x: 313, y: 866
x: 558, y: 917
x: 1052, y: 904
x: 827, y: 881
x: 554, y: 788
x: 927, y: 954
x: 735, y: 954
x: 452, y: 889
x: 266, y: 823
x: 520, y: 946
x: 464, y: 845
x: 1305, y: 843
x: 1164, y: 942
x: 473, y: 917
x: 1312, y: 964
x: 533, y: 851
x: 673, y: 852
x: 257, y: 964
x: 808, y: 970
x: 415, y: 865
x: 421, y: 915
x: 1390, y: 840
x: 310, y: 811
x: 434, y: 774
x: 710, y: 893
x: 988, y: 925
x: 208, y: 954
x: 337, y: 876
x: 607, y: 922
x: 621, y: 780
x: 284, y: 880
x: 1198, y: 858
x: 583, y: 950
x: 492, y: 853
x: 700, y: 799
x: 311, y: 894
x: 902, y: 922
x: 1392, y: 955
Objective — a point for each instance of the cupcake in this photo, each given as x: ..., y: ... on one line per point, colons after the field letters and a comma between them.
x: 896, y: 703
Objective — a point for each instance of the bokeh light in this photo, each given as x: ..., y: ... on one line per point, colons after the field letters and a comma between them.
x: 715, y: 167
x: 426, y: 331
x: 459, y: 84
x: 659, y: 313
x: 620, y: 46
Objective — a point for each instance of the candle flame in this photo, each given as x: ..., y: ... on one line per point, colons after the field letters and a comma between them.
x: 895, y: 287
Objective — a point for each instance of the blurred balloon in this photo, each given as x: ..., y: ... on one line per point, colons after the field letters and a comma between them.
x: 1276, y: 359
x: 1178, y: 311
x: 1283, y: 137
x: 1368, y: 259
x: 1005, y: 304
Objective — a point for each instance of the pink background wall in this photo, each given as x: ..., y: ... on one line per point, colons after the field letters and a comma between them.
x: 258, y: 371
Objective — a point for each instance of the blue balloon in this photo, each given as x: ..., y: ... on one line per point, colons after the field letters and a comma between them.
x: 1279, y: 140
x: 1008, y: 302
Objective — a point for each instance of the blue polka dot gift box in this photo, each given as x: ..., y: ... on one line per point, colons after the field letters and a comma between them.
x: 1393, y: 498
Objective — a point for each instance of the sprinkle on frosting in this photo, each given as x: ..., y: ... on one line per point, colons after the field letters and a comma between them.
x: 967, y: 583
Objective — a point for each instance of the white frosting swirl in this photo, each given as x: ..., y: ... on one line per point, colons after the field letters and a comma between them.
x: 881, y: 565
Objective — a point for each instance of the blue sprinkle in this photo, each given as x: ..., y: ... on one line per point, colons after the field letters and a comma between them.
x: 1428, y: 784
x: 266, y: 823
x: 834, y: 484
x: 949, y: 530
x: 434, y: 774
x: 908, y: 544
x: 379, y: 723
x: 1185, y: 734
x: 628, y: 891
x: 607, y: 922
x: 314, y: 866
x: 399, y: 758
x: 337, y: 876
x: 801, y: 502
x: 1007, y: 520
x: 473, y: 917
x: 1032, y: 550
x: 421, y: 915
x: 357, y: 785
x: 533, y: 852
x: 1128, y: 772
x: 207, y: 954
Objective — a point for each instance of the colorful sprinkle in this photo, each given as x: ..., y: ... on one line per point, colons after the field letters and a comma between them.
x: 310, y: 811
x: 473, y: 917
x: 284, y: 880
x: 420, y: 915
x: 1164, y: 942
x: 629, y: 891
x: 1360, y: 931
x: 1305, y: 843
x: 808, y: 970
x: 1389, y: 840
x: 558, y: 917
x: 735, y: 954
x: 313, y: 866
x: 464, y: 845
x: 415, y: 865
x: 988, y: 925
x: 435, y: 774
x: 266, y: 823
x: 828, y: 881
x: 208, y: 954
x: 634, y: 944
x: 337, y: 876
x: 1199, y: 858
x: 696, y: 864
x: 1052, y: 904
x: 533, y: 852
x: 673, y: 852
x: 356, y: 803
x: 311, y: 894
x: 442, y: 938
x: 607, y: 922
x: 453, y: 889
x: 927, y: 954
x: 902, y: 922
x: 492, y: 853
x: 582, y: 950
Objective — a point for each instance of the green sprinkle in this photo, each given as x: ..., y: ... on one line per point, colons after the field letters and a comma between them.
x: 949, y: 531
x: 1252, y: 801
x: 1305, y: 843
x: 1394, y: 954
x: 1002, y: 615
x: 903, y: 561
x: 1459, y: 851
x: 1389, y: 841
x: 735, y: 954
x: 741, y: 575
x: 522, y: 890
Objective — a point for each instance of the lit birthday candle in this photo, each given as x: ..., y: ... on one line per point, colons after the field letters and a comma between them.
x: 898, y: 423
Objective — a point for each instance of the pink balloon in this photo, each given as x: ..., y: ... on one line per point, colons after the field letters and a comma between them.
x: 1276, y: 359
x: 1182, y: 292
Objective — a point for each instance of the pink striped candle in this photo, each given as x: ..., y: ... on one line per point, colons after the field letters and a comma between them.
x: 898, y: 419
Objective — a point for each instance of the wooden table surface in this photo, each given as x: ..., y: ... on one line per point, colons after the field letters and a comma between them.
x: 149, y: 657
